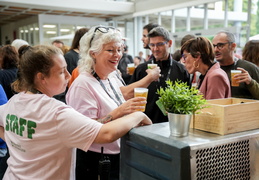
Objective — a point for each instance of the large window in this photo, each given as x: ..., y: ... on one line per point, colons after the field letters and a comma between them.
x: 30, y: 33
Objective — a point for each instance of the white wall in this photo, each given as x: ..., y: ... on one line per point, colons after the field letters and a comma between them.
x: 10, y: 29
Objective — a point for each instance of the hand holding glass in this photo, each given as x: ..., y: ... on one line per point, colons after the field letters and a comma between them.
x: 131, y: 68
x: 234, y: 82
x: 151, y: 66
x: 141, y: 92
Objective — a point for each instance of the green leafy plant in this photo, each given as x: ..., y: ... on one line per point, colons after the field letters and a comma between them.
x: 179, y: 98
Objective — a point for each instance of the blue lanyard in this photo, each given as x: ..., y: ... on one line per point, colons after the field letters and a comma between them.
x: 120, y: 78
x: 118, y: 102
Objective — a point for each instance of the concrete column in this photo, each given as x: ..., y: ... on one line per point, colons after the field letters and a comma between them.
x: 173, y: 22
x: 238, y: 8
x: 249, y: 9
x: 226, y: 14
x: 205, y: 20
x: 188, y: 19
x: 146, y: 19
x: 159, y: 20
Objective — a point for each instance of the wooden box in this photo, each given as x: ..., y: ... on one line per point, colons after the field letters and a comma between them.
x: 225, y: 116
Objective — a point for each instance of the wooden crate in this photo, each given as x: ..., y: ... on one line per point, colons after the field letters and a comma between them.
x: 226, y: 116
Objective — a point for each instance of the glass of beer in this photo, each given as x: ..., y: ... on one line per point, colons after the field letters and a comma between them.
x: 151, y: 66
x: 141, y: 92
x: 131, y: 68
x: 234, y: 81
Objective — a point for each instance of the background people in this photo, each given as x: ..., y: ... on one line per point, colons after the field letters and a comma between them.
x: 41, y: 145
x: 146, y: 29
x: 224, y: 43
x: 198, y: 55
x: 251, y: 52
x: 123, y: 63
x: 58, y: 43
x: 72, y: 57
x: 8, y: 64
x: 17, y: 43
x: 137, y: 61
x: 3, y: 148
x: 160, y: 43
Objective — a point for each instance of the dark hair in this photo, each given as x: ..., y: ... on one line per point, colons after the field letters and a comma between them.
x: 57, y: 41
x: 33, y: 60
x: 186, y: 38
x: 22, y: 50
x: 138, y: 58
x: 150, y: 26
x: 200, y: 46
x: 9, y: 57
x: 79, y: 33
x: 251, y: 52
x: 177, y: 55
x: 126, y: 47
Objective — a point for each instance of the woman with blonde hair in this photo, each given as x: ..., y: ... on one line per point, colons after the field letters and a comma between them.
x: 96, y: 94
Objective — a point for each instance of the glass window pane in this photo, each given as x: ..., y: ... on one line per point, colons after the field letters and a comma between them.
x: 49, y: 31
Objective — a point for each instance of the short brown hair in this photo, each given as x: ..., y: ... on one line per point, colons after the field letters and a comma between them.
x: 200, y: 46
x: 33, y: 60
x: 251, y: 52
x: 9, y: 57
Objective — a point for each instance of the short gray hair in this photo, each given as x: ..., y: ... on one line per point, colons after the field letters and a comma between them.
x: 230, y: 36
x: 93, y: 41
x: 160, y: 31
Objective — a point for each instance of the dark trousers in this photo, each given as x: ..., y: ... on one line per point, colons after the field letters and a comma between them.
x: 3, y: 164
x: 87, y: 164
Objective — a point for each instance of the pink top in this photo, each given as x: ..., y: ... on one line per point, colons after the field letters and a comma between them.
x: 88, y: 97
x: 41, y: 133
x: 216, y: 84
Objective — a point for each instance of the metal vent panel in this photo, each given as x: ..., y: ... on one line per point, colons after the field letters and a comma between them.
x: 228, y: 161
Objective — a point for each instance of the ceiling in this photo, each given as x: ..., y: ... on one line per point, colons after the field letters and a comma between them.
x: 16, y: 10
x: 9, y: 14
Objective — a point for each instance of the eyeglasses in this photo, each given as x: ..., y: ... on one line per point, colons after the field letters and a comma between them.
x: 152, y: 45
x: 221, y: 45
x: 184, y: 55
x: 102, y: 29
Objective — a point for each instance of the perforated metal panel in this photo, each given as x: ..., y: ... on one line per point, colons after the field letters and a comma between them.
x: 228, y: 161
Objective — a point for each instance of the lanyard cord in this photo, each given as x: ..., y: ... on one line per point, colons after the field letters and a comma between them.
x: 120, y: 78
x: 169, y: 70
x: 118, y: 102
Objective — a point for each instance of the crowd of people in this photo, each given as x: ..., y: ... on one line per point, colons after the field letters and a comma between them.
x: 58, y: 126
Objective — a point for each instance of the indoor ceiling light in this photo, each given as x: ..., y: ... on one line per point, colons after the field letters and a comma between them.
x: 50, y: 32
x: 49, y: 26
x: 64, y: 30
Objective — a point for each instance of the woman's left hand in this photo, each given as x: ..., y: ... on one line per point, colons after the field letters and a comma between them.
x: 131, y: 105
x: 244, y: 76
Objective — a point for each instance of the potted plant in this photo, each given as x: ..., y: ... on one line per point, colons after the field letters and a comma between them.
x: 179, y: 102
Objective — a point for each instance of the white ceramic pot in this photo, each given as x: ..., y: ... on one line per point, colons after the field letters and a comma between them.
x: 179, y: 124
